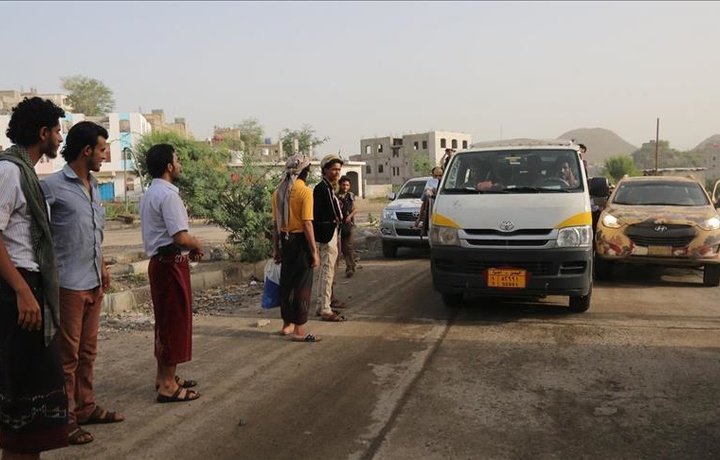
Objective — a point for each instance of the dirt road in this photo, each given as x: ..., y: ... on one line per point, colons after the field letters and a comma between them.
x: 637, y: 376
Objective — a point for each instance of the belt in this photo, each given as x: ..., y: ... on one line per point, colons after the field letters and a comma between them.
x: 170, y: 258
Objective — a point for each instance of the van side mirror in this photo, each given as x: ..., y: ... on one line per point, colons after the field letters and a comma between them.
x: 391, y: 196
x: 599, y: 187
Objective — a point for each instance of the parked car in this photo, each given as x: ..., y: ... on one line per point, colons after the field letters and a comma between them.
x: 659, y: 220
x: 397, y: 226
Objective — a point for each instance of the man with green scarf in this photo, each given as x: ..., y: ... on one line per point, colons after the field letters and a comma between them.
x: 33, y: 413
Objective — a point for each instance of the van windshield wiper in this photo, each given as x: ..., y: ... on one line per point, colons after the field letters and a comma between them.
x: 472, y: 191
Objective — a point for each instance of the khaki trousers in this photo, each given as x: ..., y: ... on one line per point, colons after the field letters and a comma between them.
x: 77, y: 342
x: 328, y: 261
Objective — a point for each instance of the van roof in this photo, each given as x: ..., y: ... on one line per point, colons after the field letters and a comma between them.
x: 523, y: 143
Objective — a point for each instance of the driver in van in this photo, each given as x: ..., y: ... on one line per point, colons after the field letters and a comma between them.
x: 563, y: 171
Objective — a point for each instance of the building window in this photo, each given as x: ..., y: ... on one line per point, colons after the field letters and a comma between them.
x: 464, y: 144
x: 454, y: 143
x: 424, y: 145
x: 416, y: 145
x: 368, y: 169
x: 396, y: 153
x: 367, y: 150
x: 380, y: 169
x: 443, y: 143
x: 380, y: 148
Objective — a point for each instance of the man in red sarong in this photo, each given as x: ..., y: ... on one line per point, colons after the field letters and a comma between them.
x: 169, y: 245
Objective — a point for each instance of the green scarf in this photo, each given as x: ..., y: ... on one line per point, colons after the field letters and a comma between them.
x: 41, y: 237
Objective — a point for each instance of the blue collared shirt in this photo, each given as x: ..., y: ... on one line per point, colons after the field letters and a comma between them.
x: 162, y: 215
x: 77, y: 220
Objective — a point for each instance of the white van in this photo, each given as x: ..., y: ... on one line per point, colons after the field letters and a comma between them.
x: 513, y: 218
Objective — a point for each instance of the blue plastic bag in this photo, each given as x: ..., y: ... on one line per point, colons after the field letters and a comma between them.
x: 271, y: 289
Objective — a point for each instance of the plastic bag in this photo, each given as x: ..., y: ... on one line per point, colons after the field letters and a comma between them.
x: 271, y: 289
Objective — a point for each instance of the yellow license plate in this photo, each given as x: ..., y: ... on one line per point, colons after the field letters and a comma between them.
x: 506, y: 278
x: 659, y: 250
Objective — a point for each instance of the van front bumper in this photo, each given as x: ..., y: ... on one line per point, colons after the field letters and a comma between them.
x: 557, y: 271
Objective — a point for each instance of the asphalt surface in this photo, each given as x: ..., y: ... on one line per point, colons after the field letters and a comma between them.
x: 637, y: 376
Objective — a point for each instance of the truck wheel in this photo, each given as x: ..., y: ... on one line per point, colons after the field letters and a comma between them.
x: 389, y: 250
x: 711, y: 275
x: 603, y: 269
x: 580, y: 303
x: 452, y: 300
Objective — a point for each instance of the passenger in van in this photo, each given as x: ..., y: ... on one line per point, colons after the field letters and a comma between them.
x: 481, y: 176
x: 534, y: 170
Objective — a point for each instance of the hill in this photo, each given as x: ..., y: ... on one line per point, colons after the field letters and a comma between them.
x: 601, y: 143
x: 711, y: 143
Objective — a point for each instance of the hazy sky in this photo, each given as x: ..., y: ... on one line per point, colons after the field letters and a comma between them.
x: 363, y: 69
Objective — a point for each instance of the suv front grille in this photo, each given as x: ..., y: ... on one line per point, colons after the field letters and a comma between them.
x: 407, y: 216
x: 677, y: 236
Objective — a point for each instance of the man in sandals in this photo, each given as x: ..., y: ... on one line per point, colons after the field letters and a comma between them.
x: 77, y: 220
x: 164, y: 222
x: 327, y: 218
x: 33, y: 413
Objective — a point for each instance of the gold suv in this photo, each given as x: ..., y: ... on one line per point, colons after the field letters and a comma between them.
x: 659, y: 220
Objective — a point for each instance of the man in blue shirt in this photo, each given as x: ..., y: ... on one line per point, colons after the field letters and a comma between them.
x: 77, y: 219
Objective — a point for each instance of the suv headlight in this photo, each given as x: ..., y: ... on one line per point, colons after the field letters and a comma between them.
x: 574, y: 237
x: 388, y: 214
x: 444, y: 236
x: 610, y: 221
x: 712, y: 223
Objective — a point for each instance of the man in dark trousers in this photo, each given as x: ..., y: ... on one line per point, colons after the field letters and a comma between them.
x: 33, y: 413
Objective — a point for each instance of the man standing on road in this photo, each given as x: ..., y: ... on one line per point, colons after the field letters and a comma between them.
x: 327, y: 218
x: 294, y: 245
x: 77, y: 220
x: 33, y: 408
x: 166, y: 240
x: 347, y: 203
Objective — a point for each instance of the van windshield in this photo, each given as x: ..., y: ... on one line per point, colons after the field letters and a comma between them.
x: 515, y: 171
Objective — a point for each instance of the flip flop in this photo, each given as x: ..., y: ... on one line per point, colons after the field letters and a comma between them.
x: 190, y: 395
x: 334, y: 318
x: 307, y: 338
x: 100, y: 416
x: 187, y: 383
x: 78, y: 436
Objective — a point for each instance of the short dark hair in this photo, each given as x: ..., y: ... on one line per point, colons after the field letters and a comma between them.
x: 29, y: 116
x: 432, y: 171
x: 157, y: 158
x: 582, y: 146
x: 344, y: 179
x: 81, y: 135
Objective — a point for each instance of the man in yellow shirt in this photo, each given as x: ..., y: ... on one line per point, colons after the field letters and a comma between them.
x: 294, y: 245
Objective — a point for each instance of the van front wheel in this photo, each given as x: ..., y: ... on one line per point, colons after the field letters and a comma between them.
x: 580, y: 303
x: 711, y: 275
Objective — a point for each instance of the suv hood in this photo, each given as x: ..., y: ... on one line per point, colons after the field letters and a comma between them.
x: 682, y: 215
x: 404, y: 203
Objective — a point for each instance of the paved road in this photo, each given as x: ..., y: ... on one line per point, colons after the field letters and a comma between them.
x: 637, y: 376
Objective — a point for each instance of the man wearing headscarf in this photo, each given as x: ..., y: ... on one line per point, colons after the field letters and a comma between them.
x: 294, y: 246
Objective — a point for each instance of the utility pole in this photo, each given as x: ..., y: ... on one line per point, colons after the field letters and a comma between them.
x: 657, y: 144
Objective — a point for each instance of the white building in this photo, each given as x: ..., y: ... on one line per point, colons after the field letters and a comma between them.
x: 393, y: 160
x: 116, y: 176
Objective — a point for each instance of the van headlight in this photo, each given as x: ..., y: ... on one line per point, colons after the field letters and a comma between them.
x: 444, y: 236
x: 575, y: 237
x: 388, y: 214
x: 712, y: 223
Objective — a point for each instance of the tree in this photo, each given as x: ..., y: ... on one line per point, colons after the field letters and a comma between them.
x: 668, y: 157
x: 88, y: 95
x: 204, y: 174
x: 618, y: 166
x: 306, y: 139
x: 421, y: 164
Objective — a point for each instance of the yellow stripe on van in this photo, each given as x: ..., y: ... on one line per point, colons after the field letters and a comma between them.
x: 438, y: 219
x: 584, y: 218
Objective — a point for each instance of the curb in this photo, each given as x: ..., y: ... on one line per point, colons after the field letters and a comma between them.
x: 128, y: 301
